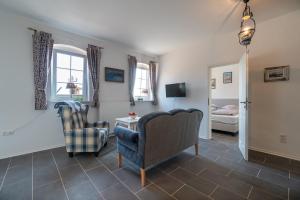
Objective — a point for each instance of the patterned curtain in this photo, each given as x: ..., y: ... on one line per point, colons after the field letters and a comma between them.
x: 94, y: 57
x: 153, y: 81
x: 42, y: 53
x: 132, y: 62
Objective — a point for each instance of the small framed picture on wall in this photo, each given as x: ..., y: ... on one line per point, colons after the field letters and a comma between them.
x: 227, y: 77
x: 213, y: 83
x: 281, y: 73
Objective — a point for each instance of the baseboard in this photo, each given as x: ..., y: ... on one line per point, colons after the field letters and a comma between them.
x: 32, y: 151
x: 274, y: 153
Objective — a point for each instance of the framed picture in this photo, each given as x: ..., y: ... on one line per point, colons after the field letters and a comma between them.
x: 281, y: 73
x: 213, y: 83
x: 227, y: 77
x: 114, y: 75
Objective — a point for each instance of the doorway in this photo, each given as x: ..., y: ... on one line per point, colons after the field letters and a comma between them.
x: 228, y: 104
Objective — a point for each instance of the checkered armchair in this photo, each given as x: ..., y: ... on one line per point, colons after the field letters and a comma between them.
x: 81, y: 136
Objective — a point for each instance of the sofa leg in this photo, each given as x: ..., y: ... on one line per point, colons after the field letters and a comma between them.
x: 97, y: 153
x: 143, y: 177
x: 196, y: 149
x: 71, y: 154
x: 119, y: 159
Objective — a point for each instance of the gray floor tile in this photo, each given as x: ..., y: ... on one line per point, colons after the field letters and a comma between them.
x: 153, y: 193
x: 223, y: 194
x: 87, y: 161
x: 230, y: 183
x: 84, y: 191
x: 17, y: 173
x: 102, y: 178
x: 258, y: 194
x: 117, y: 192
x: 43, y: 159
x: 23, y: 160
x: 44, y: 176
x: 192, y: 180
x: 110, y: 161
x: 52, y: 191
x: 130, y: 177
x: 263, y: 185
x: 189, y: 193
x: 21, y: 190
x: 73, y: 176
x: 3, y: 166
x: 62, y: 159
x: 164, y: 181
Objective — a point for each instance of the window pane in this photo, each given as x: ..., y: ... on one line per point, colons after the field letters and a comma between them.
x: 138, y: 73
x: 62, y: 75
x: 77, y: 76
x: 137, y: 83
x: 61, y: 89
x: 136, y: 92
x: 143, y: 84
x: 77, y: 63
x: 144, y: 74
x: 63, y: 60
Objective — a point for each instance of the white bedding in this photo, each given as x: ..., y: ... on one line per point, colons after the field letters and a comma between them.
x: 226, y: 119
x: 228, y: 123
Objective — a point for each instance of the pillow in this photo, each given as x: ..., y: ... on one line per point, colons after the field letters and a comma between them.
x: 230, y: 107
x: 225, y: 112
x: 214, y: 107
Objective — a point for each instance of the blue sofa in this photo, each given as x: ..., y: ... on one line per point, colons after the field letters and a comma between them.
x: 160, y: 136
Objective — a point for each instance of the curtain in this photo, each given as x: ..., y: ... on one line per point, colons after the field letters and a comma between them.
x: 153, y: 81
x: 42, y: 52
x: 132, y: 62
x: 94, y: 57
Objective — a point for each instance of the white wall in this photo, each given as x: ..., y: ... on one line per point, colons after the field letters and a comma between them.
x: 275, y: 108
x: 228, y: 90
x: 42, y: 129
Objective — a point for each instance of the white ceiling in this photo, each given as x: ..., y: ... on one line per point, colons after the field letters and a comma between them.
x: 154, y: 26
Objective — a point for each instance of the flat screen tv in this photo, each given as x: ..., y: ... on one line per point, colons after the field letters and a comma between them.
x: 175, y: 90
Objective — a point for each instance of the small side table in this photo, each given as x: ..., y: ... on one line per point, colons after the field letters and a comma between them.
x: 128, y: 122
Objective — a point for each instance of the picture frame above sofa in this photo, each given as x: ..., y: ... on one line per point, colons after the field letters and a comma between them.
x: 114, y: 75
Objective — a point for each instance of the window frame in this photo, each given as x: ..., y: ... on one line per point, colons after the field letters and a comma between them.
x: 85, y: 79
x: 144, y: 66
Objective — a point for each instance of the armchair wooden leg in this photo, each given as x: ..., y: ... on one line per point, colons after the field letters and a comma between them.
x: 119, y: 159
x: 143, y: 177
x: 71, y: 154
x: 196, y: 149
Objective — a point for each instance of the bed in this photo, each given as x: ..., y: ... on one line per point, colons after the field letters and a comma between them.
x: 225, y: 118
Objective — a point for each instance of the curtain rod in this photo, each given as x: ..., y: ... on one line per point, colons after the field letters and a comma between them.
x: 31, y: 29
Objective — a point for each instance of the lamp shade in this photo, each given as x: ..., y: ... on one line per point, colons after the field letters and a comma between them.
x: 248, y: 26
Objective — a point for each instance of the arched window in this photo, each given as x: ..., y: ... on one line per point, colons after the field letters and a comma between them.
x: 69, y: 74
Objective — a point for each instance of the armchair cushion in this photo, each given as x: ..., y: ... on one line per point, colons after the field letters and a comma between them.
x: 85, y: 140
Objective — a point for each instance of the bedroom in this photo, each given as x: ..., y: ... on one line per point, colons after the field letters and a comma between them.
x: 224, y: 102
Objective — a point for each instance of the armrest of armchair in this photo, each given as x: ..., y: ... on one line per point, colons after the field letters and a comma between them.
x: 99, y: 124
x: 126, y: 135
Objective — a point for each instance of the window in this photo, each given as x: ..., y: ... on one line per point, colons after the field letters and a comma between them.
x: 69, y: 76
x: 142, y: 83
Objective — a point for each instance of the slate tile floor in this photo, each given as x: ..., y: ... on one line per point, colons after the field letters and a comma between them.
x: 219, y: 173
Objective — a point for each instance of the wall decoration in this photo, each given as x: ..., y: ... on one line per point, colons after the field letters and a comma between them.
x: 227, y: 77
x: 281, y: 73
x: 114, y: 75
x: 213, y: 83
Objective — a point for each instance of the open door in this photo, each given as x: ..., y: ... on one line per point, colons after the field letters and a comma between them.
x: 243, y: 106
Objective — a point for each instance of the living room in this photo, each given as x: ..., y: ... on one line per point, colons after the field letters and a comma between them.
x: 170, y: 43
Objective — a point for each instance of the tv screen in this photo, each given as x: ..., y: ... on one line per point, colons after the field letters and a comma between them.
x: 175, y: 90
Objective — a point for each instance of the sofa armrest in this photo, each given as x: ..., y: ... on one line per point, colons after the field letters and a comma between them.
x: 126, y: 135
